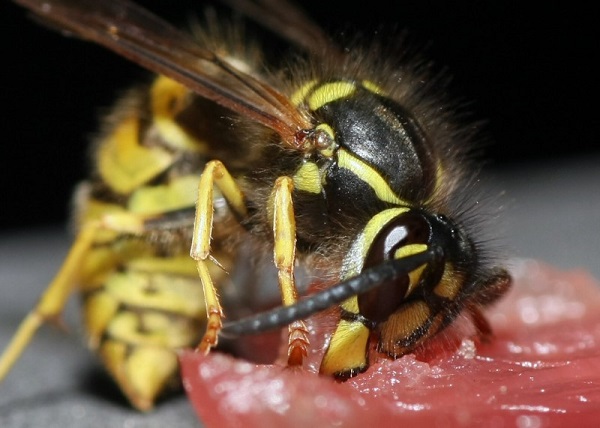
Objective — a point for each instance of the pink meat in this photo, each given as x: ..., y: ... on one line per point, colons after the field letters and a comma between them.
x: 542, y: 369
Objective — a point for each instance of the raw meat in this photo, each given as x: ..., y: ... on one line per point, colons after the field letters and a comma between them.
x: 541, y: 369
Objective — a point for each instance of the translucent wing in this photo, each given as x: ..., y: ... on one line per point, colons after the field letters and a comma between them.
x: 146, y: 39
x: 287, y: 20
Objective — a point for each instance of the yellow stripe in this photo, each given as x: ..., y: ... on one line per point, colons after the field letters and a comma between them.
x: 329, y: 92
x: 179, y: 193
x: 354, y: 261
x: 409, y: 250
x: 308, y: 178
x: 170, y: 98
x: 415, y: 275
x: 299, y: 96
x: 92, y: 209
x: 173, y: 293
x: 347, y: 349
x: 125, y: 165
x: 177, y: 265
x: 372, y: 87
x: 370, y: 176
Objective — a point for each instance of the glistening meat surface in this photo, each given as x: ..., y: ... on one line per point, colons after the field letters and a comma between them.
x: 540, y: 370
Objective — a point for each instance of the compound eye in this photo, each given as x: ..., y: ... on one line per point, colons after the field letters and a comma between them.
x: 405, y: 235
x: 397, y: 238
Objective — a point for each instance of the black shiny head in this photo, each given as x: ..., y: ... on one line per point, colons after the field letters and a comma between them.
x: 405, y: 261
x: 407, y: 234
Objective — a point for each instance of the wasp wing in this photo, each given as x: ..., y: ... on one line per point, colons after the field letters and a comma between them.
x: 288, y: 20
x: 146, y: 39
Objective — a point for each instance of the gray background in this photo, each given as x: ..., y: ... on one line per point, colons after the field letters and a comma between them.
x: 550, y: 211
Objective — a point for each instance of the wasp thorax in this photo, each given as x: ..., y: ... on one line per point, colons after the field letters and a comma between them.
x: 385, y: 137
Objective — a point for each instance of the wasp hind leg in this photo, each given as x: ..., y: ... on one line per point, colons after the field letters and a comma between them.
x: 54, y: 298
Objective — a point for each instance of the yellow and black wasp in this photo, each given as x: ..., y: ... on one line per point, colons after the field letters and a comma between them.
x: 341, y: 160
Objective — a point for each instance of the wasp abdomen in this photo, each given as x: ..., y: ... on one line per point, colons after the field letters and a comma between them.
x: 142, y: 296
x: 144, y: 309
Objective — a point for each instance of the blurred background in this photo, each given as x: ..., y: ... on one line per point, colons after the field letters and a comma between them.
x: 529, y: 73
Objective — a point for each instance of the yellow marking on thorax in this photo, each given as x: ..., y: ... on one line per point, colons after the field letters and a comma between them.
x: 179, y: 193
x: 308, y: 178
x: 372, y: 87
x: 299, y: 96
x: 169, y: 98
x: 370, y: 176
x: 125, y: 165
x: 329, y: 92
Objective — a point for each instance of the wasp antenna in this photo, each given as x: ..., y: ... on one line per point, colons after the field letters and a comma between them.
x: 322, y: 300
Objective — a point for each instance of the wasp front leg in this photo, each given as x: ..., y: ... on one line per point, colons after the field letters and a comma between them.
x: 214, y: 174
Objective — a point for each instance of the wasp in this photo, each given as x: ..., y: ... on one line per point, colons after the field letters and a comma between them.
x: 341, y: 161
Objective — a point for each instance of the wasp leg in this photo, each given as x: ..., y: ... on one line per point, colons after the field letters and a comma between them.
x: 492, y: 289
x: 482, y: 326
x: 214, y: 174
x: 54, y: 298
x: 284, y: 254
